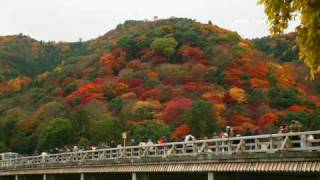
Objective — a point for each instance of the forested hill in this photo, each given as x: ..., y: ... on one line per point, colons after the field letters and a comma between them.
x: 167, y: 77
x: 23, y: 56
x: 282, y: 47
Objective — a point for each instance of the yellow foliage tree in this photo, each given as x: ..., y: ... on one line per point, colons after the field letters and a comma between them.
x: 238, y: 94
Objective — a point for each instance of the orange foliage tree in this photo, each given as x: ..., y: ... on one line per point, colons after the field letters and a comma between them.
x: 233, y: 75
x: 86, y: 93
x: 113, y: 60
x: 238, y: 94
x: 119, y: 88
x: 153, y: 75
x: 181, y: 131
x: 284, y: 75
x: 14, y: 85
x: 258, y: 83
x: 296, y: 108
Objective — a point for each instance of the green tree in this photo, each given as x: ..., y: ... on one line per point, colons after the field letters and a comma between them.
x: 104, y: 130
x: 83, y: 142
x: 164, y: 46
x: 59, y: 132
x: 3, y: 147
x: 70, y: 88
x: 81, y: 119
x: 315, y: 120
x: 282, y: 98
x: 150, y: 130
x: 281, y: 12
x: 257, y: 96
x: 8, y: 123
x: 49, y: 111
x: 132, y: 45
x: 116, y: 104
x: 272, y: 79
x: 201, y: 118
x: 23, y: 143
x: 301, y: 116
x: 215, y: 76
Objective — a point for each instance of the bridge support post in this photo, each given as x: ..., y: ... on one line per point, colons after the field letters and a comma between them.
x: 210, y: 176
x: 134, y: 176
x: 44, y: 177
x: 16, y: 177
x: 142, y: 176
x: 81, y: 176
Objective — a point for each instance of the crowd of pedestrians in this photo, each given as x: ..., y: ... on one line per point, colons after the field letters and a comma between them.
x: 294, y: 126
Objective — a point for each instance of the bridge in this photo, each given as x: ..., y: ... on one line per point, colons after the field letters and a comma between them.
x: 295, y: 155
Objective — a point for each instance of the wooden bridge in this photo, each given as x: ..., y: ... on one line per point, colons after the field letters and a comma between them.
x: 290, y: 154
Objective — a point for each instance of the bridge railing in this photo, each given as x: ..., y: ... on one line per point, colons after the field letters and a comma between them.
x: 268, y: 143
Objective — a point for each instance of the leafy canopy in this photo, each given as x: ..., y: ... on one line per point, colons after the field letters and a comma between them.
x: 280, y: 12
x: 165, y: 46
x: 59, y: 132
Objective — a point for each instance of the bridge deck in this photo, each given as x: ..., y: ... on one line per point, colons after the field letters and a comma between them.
x: 291, y: 152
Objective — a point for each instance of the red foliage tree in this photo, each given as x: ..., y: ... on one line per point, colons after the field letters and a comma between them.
x: 139, y: 90
x: 194, y: 54
x: 175, y: 108
x: 241, y: 123
x: 259, y: 69
x: 134, y: 64
x: 151, y: 94
x: 181, y: 131
x: 233, y: 76
x: 267, y: 121
x: 197, y: 86
x: 134, y: 83
x: 316, y: 100
x: 146, y: 54
x: 158, y: 59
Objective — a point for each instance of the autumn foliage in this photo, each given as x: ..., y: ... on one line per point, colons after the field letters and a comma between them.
x: 113, y: 60
x: 169, y: 77
x: 85, y: 94
x: 241, y: 123
x: 181, y: 131
x: 174, y: 109
x: 267, y: 120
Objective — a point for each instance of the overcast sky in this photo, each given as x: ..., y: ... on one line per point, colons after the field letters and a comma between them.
x: 69, y: 20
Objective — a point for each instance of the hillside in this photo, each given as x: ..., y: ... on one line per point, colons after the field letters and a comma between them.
x: 282, y: 47
x: 157, y: 78
x: 23, y: 56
